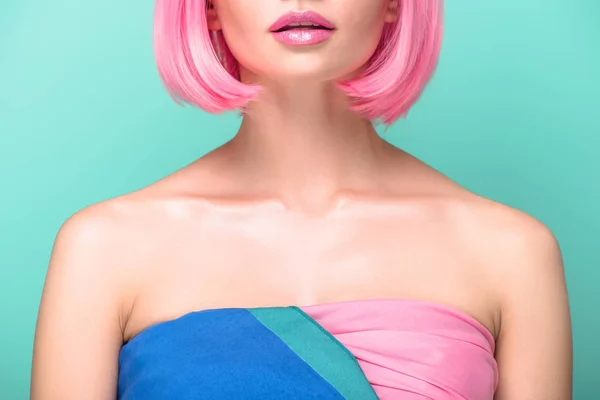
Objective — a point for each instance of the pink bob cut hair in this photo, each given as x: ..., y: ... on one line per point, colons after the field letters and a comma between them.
x: 198, y: 68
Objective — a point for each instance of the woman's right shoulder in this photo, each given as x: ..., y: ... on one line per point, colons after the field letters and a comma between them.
x: 109, y: 244
x: 93, y: 257
x: 88, y: 290
x: 99, y: 221
x: 97, y: 229
x: 94, y: 226
x: 102, y: 238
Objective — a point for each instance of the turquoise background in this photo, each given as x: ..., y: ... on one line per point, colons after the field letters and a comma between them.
x: 512, y: 114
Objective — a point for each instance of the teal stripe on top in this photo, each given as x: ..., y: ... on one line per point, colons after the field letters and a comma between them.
x: 319, y: 349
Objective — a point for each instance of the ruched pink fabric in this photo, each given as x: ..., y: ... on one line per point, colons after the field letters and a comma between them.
x: 413, y: 350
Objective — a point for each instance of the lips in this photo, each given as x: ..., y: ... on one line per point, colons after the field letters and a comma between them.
x: 301, y: 25
x: 305, y: 20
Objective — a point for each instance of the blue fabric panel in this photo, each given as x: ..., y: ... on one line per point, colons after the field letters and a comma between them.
x: 224, y: 354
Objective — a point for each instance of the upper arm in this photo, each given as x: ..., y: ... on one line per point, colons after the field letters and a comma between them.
x: 78, y: 332
x: 534, y: 350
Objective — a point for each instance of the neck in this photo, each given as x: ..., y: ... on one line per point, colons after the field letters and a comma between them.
x: 303, y: 145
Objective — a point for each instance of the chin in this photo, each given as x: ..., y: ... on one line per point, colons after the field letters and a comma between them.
x: 303, y: 76
x: 309, y: 70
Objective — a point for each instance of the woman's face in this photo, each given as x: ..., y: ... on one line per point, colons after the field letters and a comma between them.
x: 247, y: 24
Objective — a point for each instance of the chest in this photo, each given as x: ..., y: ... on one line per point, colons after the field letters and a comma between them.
x: 386, y: 253
x: 254, y: 261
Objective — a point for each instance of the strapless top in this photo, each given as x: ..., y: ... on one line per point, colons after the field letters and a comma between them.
x: 354, y: 350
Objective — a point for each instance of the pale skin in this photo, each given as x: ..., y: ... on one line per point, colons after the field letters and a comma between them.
x: 306, y: 205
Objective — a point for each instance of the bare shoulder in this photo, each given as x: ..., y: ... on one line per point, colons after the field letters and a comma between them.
x: 108, y: 235
x: 502, y: 237
x: 117, y: 245
x: 511, y: 248
x: 79, y: 328
x: 505, y: 237
x: 90, y: 252
x: 516, y: 253
x: 524, y: 261
x: 488, y: 226
x: 99, y: 228
x: 95, y: 225
x: 515, y: 258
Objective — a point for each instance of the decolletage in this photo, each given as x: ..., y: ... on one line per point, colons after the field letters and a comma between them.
x: 360, y: 350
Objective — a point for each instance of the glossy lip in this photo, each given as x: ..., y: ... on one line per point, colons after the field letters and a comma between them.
x: 301, y: 16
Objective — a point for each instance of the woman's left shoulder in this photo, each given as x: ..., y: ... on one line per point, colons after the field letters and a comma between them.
x: 524, y: 268
x: 519, y: 251
x: 503, y: 234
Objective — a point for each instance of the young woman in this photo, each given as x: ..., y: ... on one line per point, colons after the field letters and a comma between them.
x: 307, y: 258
